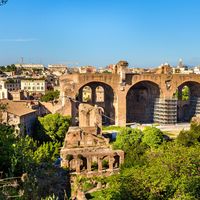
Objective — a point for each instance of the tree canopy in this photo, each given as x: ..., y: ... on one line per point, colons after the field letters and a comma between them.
x: 6, y: 147
x: 50, y: 96
x: 25, y: 162
x: 153, y: 137
x: 8, y: 68
x: 54, y: 125
x: 154, y: 169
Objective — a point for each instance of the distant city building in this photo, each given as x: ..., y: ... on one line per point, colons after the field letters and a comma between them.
x: 3, y: 90
x: 19, y: 115
x: 33, y: 86
x: 72, y: 70
x: 164, y: 69
x: 10, y: 74
x: 18, y: 95
x: 197, y: 70
x: 182, y: 69
x: 30, y: 66
x: 57, y: 69
x: 7, y: 85
x: 87, y: 69
x: 13, y: 84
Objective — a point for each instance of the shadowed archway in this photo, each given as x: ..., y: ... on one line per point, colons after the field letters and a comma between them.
x: 140, y: 101
x: 103, y: 96
x: 188, y: 95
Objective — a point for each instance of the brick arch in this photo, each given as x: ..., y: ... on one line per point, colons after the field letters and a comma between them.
x: 195, y: 84
x: 156, y: 83
x: 179, y: 79
x: 109, y: 79
x: 140, y: 100
x: 100, y: 84
x: 109, y: 99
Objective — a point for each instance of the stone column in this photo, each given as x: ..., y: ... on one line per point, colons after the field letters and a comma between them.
x: 121, y: 159
x: 78, y: 170
x: 89, y: 164
x: 93, y: 94
x: 180, y: 93
x: 100, y: 165
x: 120, y: 118
x: 111, y: 161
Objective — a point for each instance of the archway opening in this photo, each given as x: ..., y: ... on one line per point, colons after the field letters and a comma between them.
x: 140, y: 102
x: 102, y: 95
x: 86, y: 94
x: 99, y: 94
x: 188, y: 105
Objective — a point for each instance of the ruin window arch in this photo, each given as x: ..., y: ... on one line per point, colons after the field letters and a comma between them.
x: 87, y: 94
x: 185, y: 93
x: 99, y: 94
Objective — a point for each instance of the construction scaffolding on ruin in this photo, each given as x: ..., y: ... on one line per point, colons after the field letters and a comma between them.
x: 165, y: 111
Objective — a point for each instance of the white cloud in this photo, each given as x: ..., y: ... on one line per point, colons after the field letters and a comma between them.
x: 19, y: 40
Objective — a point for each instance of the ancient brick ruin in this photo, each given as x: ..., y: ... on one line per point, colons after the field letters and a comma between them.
x: 128, y: 98
x: 85, y: 149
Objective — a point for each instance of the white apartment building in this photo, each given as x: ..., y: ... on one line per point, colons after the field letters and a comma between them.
x: 8, y: 85
x: 13, y: 84
x: 3, y: 90
x: 33, y: 85
x: 197, y: 70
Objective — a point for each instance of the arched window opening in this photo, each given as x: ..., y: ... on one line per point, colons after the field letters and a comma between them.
x: 99, y: 94
x: 188, y: 105
x: 87, y: 94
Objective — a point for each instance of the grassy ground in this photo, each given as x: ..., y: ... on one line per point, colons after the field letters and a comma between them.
x: 170, y: 130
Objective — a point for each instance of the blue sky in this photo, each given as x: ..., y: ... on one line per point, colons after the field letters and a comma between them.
x: 100, y: 32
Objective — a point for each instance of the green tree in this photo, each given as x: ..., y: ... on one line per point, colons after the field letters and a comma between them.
x: 23, y: 157
x: 7, y: 140
x: 127, y: 137
x: 171, y: 172
x: 130, y: 140
x: 189, y: 137
x: 153, y: 137
x: 55, y: 126
x: 185, y: 93
x: 8, y: 68
x: 50, y: 96
x: 47, y: 152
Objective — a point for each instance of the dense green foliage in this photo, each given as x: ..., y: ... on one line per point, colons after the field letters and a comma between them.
x: 185, y: 93
x: 153, y: 137
x: 8, y: 68
x: 50, y: 96
x: 6, y: 147
x: 54, y: 126
x: 127, y: 138
x: 29, y: 154
x: 155, y: 168
x: 35, y: 158
x: 191, y: 137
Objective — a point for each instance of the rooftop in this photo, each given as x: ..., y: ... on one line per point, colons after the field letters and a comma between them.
x: 19, y: 108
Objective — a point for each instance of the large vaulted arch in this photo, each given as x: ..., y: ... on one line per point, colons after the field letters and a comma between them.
x: 140, y: 101
x: 102, y: 95
x: 188, y: 95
